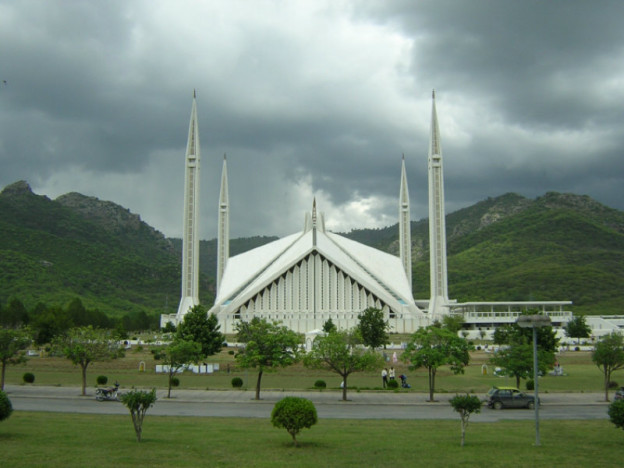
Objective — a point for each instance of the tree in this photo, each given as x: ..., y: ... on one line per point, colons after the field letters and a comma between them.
x: 608, y: 355
x: 138, y: 402
x: 616, y: 413
x: 578, y: 328
x: 465, y: 405
x: 268, y: 346
x: 339, y: 353
x: 329, y: 326
x: 84, y: 345
x: 517, y: 361
x: 453, y: 322
x: 294, y: 414
x: 178, y: 354
x: 201, y: 328
x: 433, y: 347
x: 12, y: 344
x: 14, y: 314
x: 373, y: 328
x: 6, y: 408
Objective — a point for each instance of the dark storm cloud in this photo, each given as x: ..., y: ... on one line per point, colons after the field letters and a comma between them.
x: 310, y: 99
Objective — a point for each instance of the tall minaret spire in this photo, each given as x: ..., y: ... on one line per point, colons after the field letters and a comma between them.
x: 223, y: 238
x: 190, y: 239
x: 405, y: 237
x: 437, y: 225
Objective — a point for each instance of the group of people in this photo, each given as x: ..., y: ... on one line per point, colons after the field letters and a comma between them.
x: 387, y: 375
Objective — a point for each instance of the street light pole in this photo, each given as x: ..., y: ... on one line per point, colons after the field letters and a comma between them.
x: 535, y: 322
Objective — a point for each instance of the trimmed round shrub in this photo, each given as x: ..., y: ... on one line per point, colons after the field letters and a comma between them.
x: 320, y: 384
x: 616, y: 413
x: 530, y: 384
x: 613, y: 385
x: 294, y: 414
x: 393, y: 384
x: 175, y: 382
x: 231, y: 352
x: 237, y: 382
x: 28, y: 377
x: 6, y: 408
x: 101, y: 380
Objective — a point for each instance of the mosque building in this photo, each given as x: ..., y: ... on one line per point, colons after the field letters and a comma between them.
x: 307, y: 278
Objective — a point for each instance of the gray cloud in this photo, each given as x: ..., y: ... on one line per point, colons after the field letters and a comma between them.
x: 310, y: 99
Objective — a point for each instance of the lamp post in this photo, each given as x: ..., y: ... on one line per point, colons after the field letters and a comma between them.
x: 535, y: 322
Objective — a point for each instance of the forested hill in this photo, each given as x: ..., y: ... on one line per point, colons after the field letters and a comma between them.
x: 556, y: 247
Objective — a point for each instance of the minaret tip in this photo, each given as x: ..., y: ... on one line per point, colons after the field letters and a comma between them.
x: 403, y: 156
x: 224, y: 156
x: 194, y: 94
x: 433, y: 94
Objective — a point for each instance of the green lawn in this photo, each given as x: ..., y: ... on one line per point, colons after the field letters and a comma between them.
x: 66, y: 440
x: 581, y: 375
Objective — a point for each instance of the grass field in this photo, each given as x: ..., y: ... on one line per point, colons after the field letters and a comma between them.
x: 63, y: 440
x: 581, y: 375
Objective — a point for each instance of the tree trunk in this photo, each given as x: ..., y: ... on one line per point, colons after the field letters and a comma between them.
x: 606, y: 383
x: 344, y: 388
x: 169, y: 388
x: 517, y: 381
x: 431, y: 383
x: 258, y: 384
x: 463, y: 431
x: 84, y: 379
x: 3, y: 371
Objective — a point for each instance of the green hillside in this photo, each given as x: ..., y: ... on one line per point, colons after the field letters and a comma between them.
x: 556, y: 247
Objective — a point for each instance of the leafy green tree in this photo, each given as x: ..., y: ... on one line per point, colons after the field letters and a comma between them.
x: 339, y: 353
x: 268, y: 346
x: 294, y: 414
x: 329, y: 326
x: 202, y: 328
x: 84, y: 345
x: 501, y: 335
x: 14, y: 314
x: 616, y: 413
x: 178, y: 354
x: 373, y: 328
x: 433, y: 347
x: 50, y: 323
x: 517, y: 361
x: 138, y: 402
x: 453, y: 322
x: 6, y: 408
x: 465, y: 405
x: 608, y: 355
x: 578, y: 328
x: 12, y: 344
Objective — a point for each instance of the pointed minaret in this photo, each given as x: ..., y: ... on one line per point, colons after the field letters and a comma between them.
x: 405, y: 237
x: 190, y: 239
x: 437, y: 225
x: 223, y: 238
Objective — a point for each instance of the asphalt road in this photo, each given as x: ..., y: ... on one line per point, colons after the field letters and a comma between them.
x: 328, y: 404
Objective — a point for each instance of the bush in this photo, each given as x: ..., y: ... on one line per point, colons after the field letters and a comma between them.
x: 237, y: 382
x: 101, y: 380
x: 613, y: 385
x: 530, y: 384
x: 294, y: 414
x: 320, y: 384
x: 28, y: 377
x: 5, y: 406
x: 231, y: 352
x: 393, y: 384
x: 175, y: 382
x: 616, y: 413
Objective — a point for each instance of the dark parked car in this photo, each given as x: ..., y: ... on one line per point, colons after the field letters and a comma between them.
x: 509, y: 397
x: 619, y: 394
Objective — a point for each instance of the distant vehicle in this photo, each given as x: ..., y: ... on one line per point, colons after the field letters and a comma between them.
x: 509, y: 397
x: 619, y: 394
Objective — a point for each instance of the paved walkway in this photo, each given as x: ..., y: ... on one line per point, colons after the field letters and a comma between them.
x: 325, y: 396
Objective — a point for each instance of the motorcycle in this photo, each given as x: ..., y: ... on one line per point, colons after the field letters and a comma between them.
x: 107, y: 394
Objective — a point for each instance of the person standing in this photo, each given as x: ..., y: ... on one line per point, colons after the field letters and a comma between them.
x: 384, y: 377
x: 391, y: 373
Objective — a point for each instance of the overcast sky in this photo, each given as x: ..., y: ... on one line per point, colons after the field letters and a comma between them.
x: 311, y: 99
